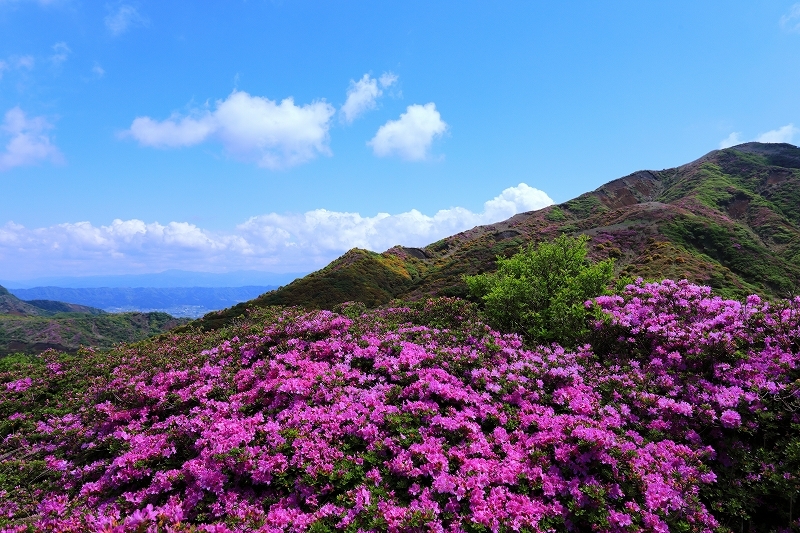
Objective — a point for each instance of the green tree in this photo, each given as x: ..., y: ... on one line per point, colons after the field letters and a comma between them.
x: 540, y: 291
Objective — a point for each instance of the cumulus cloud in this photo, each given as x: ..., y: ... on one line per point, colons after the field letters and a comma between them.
x: 277, y: 242
x: 173, y: 132
x: 274, y: 135
x: 28, y: 142
x: 362, y: 95
x: 123, y: 17
x: 791, y: 20
x: 330, y: 231
x: 410, y: 137
x: 60, y: 53
x: 784, y: 134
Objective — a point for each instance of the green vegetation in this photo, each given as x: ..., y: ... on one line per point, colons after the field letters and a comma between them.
x: 735, y: 247
x: 540, y: 292
x: 69, y: 331
x: 555, y: 214
x: 585, y: 205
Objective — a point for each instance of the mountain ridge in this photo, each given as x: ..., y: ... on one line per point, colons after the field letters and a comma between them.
x: 729, y: 219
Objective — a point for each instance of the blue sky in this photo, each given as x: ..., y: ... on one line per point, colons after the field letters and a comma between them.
x: 275, y: 135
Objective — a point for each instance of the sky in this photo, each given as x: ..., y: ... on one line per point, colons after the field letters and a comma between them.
x: 137, y: 137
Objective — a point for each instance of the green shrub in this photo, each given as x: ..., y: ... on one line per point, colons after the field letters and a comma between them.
x: 540, y: 291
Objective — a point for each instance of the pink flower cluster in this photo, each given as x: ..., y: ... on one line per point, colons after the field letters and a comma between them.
x: 323, y: 423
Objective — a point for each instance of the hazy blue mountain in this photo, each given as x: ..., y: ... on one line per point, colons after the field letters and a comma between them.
x: 168, y: 278
x: 177, y: 301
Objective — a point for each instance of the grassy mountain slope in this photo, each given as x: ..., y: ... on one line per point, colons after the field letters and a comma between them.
x: 730, y: 220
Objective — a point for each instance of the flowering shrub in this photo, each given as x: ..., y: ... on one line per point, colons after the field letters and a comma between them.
x: 408, y: 419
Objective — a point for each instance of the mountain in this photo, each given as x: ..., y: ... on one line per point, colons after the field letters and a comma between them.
x: 37, y: 325
x: 166, y: 279
x: 177, y: 301
x: 67, y: 332
x: 730, y: 219
x: 10, y: 304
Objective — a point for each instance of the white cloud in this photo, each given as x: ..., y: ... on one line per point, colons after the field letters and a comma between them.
x: 784, y: 134
x: 791, y: 20
x: 362, y: 95
x: 731, y: 140
x: 388, y: 79
x: 28, y: 142
x: 123, y: 17
x: 277, y: 242
x: 781, y: 135
x: 173, y: 132
x: 61, y: 53
x: 274, y: 135
x: 411, y: 136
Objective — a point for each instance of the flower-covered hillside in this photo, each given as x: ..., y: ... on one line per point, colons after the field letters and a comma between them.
x: 681, y: 416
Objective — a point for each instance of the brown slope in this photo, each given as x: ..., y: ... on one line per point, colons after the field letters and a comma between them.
x: 730, y: 219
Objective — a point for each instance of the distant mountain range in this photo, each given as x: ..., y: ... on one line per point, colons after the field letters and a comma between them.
x: 177, y: 301
x: 166, y: 279
x: 730, y: 219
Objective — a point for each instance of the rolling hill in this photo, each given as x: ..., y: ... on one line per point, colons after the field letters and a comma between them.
x: 37, y: 325
x: 730, y: 219
x: 10, y: 304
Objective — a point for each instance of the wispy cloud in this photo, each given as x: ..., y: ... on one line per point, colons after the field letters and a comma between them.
x: 28, y: 142
x: 277, y: 242
x: 783, y: 134
x: 791, y: 20
x: 123, y: 17
x: 252, y: 128
x: 40, y: 2
x: 98, y: 71
x: 27, y: 62
x: 60, y: 53
x: 362, y: 95
x: 731, y: 140
x: 410, y: 137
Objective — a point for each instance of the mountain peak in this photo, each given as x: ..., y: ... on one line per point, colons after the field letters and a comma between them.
x: 777, y: 154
